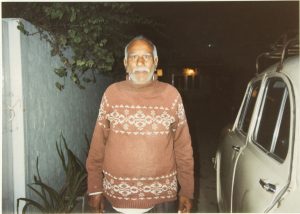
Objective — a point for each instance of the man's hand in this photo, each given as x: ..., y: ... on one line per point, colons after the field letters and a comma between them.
x: 185, y: 204
x: 96, y: 202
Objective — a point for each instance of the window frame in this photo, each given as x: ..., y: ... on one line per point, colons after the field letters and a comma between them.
x: 286, y: 97
x: 245, y: 107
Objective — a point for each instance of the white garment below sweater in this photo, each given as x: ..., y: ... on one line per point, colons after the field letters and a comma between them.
x: 132, y: 211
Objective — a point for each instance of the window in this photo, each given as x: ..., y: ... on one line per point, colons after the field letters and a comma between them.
x: 272, y: 131
x: 282, y: 143
x: 248, y: 108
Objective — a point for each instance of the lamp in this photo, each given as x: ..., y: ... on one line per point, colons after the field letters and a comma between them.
x: 159, y: 72
x: 189, y: 72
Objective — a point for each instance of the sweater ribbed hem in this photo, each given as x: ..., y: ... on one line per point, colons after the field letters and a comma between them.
x: 137, y: 204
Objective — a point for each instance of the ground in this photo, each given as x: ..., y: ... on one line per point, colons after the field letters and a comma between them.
x: 205, y: 175
x: 206, y: 117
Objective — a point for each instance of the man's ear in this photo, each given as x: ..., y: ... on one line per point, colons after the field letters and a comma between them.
x: 125, y: 63
x: 156, y: 61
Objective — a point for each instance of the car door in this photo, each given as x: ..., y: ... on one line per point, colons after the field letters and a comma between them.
x: 263, y: 168
x: 232, y: 143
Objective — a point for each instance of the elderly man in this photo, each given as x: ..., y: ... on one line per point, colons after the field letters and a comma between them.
x: 141, y: 146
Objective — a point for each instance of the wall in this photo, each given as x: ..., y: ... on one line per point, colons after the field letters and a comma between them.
x: 7, y: 164
x: 47, y: 112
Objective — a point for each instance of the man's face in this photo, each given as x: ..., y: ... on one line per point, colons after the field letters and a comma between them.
x: 140, y: 63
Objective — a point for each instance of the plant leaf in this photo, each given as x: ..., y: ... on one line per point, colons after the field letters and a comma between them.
x: 39, y: 177
x: 61, y: 155
x: 56, y: 200
x: 73, y: 15
x: 32, y: 203
x: 59, y: 86
x: 61, y: 72
x: 44, y: 198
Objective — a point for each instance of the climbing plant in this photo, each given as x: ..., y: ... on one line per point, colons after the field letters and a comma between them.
x: 94, y: 32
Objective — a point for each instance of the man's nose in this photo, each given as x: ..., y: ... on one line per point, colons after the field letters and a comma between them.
x: 140, y: 60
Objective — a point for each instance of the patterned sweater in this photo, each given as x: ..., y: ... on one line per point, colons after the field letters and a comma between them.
x: 141, y: 146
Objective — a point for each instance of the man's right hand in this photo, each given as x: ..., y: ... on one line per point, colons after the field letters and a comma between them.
x: 96, y: 203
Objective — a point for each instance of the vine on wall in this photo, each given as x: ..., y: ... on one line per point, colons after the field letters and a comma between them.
x: 95, y: 32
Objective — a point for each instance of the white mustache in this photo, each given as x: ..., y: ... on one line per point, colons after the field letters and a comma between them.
x: 141, y: 69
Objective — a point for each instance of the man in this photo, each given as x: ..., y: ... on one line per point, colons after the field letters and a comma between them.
x: 141, y: 146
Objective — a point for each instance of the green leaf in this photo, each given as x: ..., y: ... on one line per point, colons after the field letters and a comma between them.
x: 61, y: 156
x: 39, y: 177
x: 21, y: 28
x: 43, y: 197
x: 30, y: 202
x: 77, y: 39
x: 53, y: 194
x: 80, y: 62
x: 73, y: 15
x: 71, y: 33
x: 61, y: 72
x: 87, y: 80
x: 62, y: 40
x: 81, y: 86
x: 54, y: 51
x: 59, y: 86
x: 74, y: 78
x: 90, y: 63
x: 56, y: 13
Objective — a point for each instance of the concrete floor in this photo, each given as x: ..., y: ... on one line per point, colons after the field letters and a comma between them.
x: 206, y: 118
x: 205, y: 176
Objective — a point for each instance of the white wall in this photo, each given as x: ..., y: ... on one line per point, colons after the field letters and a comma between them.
x: 44, y: 110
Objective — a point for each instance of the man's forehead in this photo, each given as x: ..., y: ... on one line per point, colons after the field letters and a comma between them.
x: 140, y: 45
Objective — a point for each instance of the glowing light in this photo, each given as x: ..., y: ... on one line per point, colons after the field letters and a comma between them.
x: 189, y: 72
x: 159, y: 72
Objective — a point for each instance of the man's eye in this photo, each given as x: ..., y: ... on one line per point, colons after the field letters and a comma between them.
x: 133, y: 57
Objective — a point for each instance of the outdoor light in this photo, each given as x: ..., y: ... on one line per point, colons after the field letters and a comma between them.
x: 189, y: 72
x: 159, y: 72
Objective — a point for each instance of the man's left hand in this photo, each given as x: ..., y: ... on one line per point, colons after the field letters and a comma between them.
x: 185, y: 204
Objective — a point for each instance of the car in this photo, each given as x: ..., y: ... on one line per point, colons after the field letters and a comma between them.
x: 258, y: 157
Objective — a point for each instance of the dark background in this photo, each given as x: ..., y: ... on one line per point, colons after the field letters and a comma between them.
x: 228, y: 33
x: 221, y: 40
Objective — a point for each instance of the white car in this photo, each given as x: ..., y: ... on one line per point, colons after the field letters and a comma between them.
x: 258, y: 159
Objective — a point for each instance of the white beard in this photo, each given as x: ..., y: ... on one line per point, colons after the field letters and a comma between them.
x: 147, y: 75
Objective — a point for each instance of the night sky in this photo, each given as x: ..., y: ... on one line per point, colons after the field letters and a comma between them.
x: 228, y: 34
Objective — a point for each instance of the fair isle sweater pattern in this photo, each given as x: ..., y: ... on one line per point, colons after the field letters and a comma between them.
x: 144, y: 188
x: 157, y: 120
x: 130, y: 117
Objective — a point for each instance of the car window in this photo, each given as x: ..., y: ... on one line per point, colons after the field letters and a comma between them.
x: 272, y: 130
x: 282, y: 143
x: 248, y: 108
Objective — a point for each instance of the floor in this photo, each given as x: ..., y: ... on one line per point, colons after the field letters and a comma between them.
x: 205, y: 123
x: 205, y: 176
